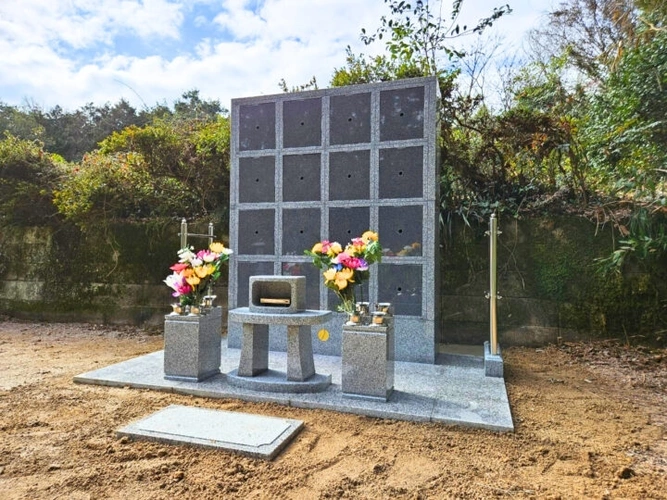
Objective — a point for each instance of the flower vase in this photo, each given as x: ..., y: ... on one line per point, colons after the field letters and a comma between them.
x: 367, y: 370
x: 192, y: 345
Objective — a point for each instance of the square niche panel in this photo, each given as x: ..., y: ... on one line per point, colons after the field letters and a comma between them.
x: 313, y: 278
x: 401, y: 230
x: 257, y: 126
x: 245, y: 271
x: 349, y: 175
x: 301, y: 177
x: 402, y: 114
x: 401, y: 172
x: 350, y: 119
x: 302, y: 123
x: 256, y: 232
x: 301, y: 230
x: 402, y: 286
x: 257, y: 179
x: 348, y: 223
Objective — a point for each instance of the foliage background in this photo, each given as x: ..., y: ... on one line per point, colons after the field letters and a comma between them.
x: 579, y: 130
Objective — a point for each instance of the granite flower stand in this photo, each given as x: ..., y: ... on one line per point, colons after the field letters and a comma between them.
x: 192, y: 349
x: 368, y: 361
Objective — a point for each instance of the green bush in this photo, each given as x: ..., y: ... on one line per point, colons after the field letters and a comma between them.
x: 28, y: 177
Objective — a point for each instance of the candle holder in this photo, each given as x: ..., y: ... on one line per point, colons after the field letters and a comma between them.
x: 384, y: 307
x: 378, y: 318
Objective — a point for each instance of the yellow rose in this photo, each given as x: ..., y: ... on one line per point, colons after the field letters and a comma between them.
x: 356, y: 248
x: 347, y: 274
x: 216, y: 247
x: 203, y: 271
x: 334, y: 249
x: 369, y: 236
x: 329, y: 274
x: 317, y: 248
x: 343, y: 278
x: 193, y: 280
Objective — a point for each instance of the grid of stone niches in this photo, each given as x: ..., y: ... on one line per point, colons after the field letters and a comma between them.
x: 326, y: 165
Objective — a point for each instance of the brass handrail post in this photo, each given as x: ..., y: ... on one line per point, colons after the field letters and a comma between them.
x: 184, y: 233
x: 493, y: 283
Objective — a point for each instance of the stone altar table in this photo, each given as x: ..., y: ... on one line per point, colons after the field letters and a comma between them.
x: 253, y: 371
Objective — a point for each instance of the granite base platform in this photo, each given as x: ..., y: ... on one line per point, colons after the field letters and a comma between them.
x: 449, y: 394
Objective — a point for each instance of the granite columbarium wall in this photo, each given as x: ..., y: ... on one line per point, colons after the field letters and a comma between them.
x: 330, y: 164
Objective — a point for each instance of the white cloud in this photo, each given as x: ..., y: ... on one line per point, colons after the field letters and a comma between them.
x: 65, y: 51
x: 84, y: 23
x: 240, y: 22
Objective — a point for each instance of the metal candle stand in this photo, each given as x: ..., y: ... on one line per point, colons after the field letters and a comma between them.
x: 363, y: 316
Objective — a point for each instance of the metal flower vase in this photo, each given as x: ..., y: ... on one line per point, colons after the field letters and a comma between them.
x: 192, y: 345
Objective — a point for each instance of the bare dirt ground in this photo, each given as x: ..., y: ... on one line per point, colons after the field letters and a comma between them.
x: 590, y: 422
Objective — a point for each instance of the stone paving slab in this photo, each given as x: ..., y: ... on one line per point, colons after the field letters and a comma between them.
x: 449, y: 394
x: 257, y: 436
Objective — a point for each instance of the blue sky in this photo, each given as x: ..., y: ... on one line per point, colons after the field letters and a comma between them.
x: 72, y: 52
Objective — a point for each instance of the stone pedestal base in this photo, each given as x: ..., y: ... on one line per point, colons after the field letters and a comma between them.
x: 368, y: 362
x: 493, y: 364
x: 255, y: 352
x: 276, y: 381
x: 192, y: 350
x: 255, y: 349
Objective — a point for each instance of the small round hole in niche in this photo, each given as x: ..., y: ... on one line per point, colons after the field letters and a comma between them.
x: 400, y: 231
x: 400, y: 173
x: 256, y: 180
x: 401, y: 113
x: 349, y: 119
x: 301, y: 178
x: 303, y: 123
x: 399, y: 289
x: 257, y: 127
x: 349, y: 176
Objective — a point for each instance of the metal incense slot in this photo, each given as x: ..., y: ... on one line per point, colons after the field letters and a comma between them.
x: 275, y: 302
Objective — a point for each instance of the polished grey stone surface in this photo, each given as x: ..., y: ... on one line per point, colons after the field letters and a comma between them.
x: 244, y: 433
x: 449, y: 394
x: 368, y: 361
x: 254, y: 353
x: 330, y: 164
x: 192, y: 345
x: 307, y: 317
x: 276, y: 381
x: 413, y: 342
x: 493, y: 363
x: 300, y: 362
x: 292, y: 288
